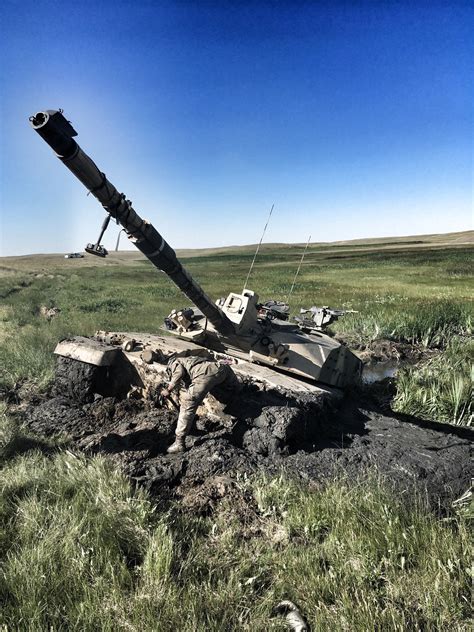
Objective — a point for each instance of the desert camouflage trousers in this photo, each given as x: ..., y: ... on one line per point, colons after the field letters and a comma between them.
x: 220, y: 376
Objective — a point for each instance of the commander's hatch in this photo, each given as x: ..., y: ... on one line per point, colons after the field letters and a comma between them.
x: 241, y: 309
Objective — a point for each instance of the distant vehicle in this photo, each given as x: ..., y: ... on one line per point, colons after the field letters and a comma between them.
x: 74, y: 255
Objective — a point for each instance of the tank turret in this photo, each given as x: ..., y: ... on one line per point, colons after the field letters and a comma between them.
x: 237, y: 325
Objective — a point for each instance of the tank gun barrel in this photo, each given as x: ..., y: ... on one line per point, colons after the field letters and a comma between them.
x: 59, y: 134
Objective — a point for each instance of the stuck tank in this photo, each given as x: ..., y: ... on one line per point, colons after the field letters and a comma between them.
x: 258, y: 339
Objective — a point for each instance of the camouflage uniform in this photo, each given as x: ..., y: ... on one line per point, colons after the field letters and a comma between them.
x: 204, y: 376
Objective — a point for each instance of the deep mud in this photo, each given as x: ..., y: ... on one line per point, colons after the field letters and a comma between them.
x: 308, y: 438
x: 385, y: 350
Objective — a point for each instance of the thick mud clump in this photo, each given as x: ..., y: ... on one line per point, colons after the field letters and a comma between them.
x: 308, y: 437
x: 385, y: 350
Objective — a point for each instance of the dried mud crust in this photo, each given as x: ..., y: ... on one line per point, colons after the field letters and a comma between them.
x: 305, y: 436
x: 385, y: 350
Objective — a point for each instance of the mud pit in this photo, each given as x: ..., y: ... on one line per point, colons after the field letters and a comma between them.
x: 306, y: 437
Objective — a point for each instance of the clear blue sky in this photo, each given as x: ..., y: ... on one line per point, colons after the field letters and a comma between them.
x: 355, y: 119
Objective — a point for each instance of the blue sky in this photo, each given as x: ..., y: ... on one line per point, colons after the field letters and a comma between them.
x: 355, y: 119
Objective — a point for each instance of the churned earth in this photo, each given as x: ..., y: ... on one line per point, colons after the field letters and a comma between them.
x: 308, y: 437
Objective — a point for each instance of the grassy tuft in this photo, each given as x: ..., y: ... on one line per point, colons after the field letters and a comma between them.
x: 441, y: 388
x: 28, y: 356
x: 429, y: 323
x: 73, y: 533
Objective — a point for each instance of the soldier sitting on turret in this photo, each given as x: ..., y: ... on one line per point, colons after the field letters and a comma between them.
x: 201, y: 375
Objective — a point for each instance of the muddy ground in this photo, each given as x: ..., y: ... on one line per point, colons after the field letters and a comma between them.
x: 307, y: 437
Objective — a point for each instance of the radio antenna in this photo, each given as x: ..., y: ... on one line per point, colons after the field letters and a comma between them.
x: 118, y: 239
x: 258, y: 248
x: 299, y: 268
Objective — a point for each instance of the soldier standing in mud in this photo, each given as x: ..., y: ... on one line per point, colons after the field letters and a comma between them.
x: 201, y: 376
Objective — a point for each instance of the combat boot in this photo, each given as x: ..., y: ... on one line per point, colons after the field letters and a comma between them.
x: 177, y: 446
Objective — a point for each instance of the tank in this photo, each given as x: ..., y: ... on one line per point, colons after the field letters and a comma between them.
x: 258, y: 338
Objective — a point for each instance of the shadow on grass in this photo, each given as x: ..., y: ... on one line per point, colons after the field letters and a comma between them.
x: 21, y: 444
x: 17, y: 441
x: 378, y: 397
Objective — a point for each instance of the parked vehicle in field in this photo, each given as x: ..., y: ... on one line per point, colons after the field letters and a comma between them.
x: 74, y: 255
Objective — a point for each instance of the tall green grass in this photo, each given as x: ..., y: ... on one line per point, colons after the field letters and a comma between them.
x: 81, y: 550
x: 442, y: 387
x: 27, y: 339
x: 429, y: 323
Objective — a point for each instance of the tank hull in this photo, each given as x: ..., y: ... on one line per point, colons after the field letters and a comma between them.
x: 106, y: 350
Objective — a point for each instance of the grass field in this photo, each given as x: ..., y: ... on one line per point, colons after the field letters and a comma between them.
x: 402, y: 290
x: 82, y: 550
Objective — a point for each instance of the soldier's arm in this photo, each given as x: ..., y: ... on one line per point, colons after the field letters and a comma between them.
x: 177, y: 374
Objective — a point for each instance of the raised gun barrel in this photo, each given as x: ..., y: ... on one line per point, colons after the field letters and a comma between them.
x: 59, y: 134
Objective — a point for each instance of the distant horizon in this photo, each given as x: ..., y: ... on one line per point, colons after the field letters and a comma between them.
x: 342, y: 242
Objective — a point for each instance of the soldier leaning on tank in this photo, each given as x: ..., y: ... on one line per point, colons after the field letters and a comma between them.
x: 201, y: 375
